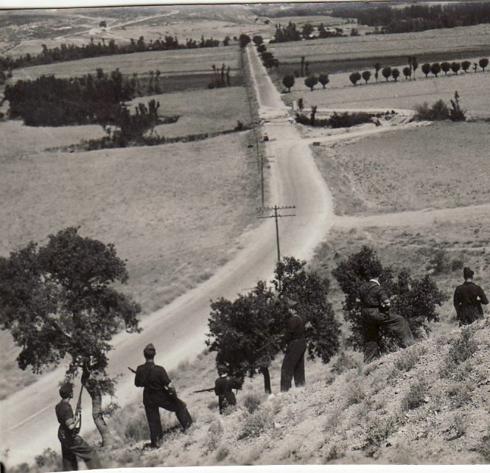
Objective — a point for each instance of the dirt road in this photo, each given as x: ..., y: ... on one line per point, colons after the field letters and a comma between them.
x: 178, y: 330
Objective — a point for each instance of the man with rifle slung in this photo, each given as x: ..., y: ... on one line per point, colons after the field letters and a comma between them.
x: 157, y: 393
x: 72, y: 445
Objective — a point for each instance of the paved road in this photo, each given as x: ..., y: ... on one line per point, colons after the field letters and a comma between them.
x: 28, y: 424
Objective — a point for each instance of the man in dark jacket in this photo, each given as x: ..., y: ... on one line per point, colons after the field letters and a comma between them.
x: 375, y: 313
x: 72, y: 445
x: 468, y: 298
x: 223, y: 388
x: 157, y: 393
x: 293, y: 364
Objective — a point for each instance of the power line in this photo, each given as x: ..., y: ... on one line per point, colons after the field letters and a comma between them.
x: 276, y: 216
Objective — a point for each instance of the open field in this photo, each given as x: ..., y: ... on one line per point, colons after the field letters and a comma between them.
x: 401, y: 94
x: 175, y: 212
x: 442, y: 165
x: 347, y: 54
x: 202, y: 111
x: 176, y: 62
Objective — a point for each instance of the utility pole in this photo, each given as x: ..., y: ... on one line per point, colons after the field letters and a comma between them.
x: 276, y: 216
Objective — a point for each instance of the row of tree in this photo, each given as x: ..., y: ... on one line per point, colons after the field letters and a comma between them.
x: 290, y: 32
x: 247, y: 333
x: 417, y: 17
x: 70, y: 52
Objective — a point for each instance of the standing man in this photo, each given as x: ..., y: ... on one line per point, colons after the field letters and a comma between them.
x: 293, y: 364
x: 157, y: 393
x: 375, y: 313
x: 72, y: 445
x: 223, y: 388
x: 468, y: 298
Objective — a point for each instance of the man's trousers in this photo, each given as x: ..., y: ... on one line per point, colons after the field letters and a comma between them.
x: 74, y: 447
x: 293, y: 364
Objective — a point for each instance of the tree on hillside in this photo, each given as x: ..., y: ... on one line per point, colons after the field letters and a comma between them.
x: 248, y: 333
x: 262, y: 48
x: 395, y: 73
x: 323, y: 79
x: 407, y: 72
x: 311, y: 81
x: 355, y: 77
x: 455, y: 67
x: 386, y: 73
x: 446, y: 67
x: 483, y: 62
x: 413, y: 298
x: 366, y: 75
x: 288, y: 81
x: 465, y: 65
x: 243, y: 40
x: 413, y: 65
x: 435, y: 68
x: 258, y: 40
x: 426, y: 69
x: 377, y: 67
x: 57, y: 302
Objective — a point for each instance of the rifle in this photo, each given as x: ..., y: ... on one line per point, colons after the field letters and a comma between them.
x: 78, y: 411
x: 207, y: 390
x: 132, y: 370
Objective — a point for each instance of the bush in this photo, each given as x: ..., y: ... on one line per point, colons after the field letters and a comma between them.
x: 440, y: 263
x: 255, y: 424
x: 416, y: 396
x: 251, y: 402
x: 438, y: 111
x: 377, y: 432
x: 484, y: 447
x: 463, y: 347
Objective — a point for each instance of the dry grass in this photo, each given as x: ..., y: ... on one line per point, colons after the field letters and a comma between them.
x: 440, y: 166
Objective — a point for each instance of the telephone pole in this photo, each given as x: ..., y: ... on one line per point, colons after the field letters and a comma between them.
x: 276, y: 216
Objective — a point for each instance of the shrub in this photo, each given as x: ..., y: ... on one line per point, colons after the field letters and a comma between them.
x: 484, y: 447
x: 255, y: 424
x: 221, y: 454
x: 215, y: 432
x: 251, y: 402
x: 49, y: 460
x: 136, y: 429
x: 456, y: 113
x: 407, y: 360
x: 416, y: 395
x: 457, y: 264
x: 440, y: 263
x: 377, y: 432
x: 463, y: 347
x: 438, y: 111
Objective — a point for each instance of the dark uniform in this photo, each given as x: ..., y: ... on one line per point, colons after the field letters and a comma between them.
x: 293, y: 364
x: 72, y: 445
x: 156, y: 394
x: 468, y: 299
x: 223, y: 388
x: 375, y: 314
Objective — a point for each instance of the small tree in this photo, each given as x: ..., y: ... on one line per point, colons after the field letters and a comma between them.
x: 413, y: 64
x: 288, y: 81
x: 355, y: 77
x: 445, y: 66
x: 366, y: 75
x: 386, y: 73
x: 377, y: 67
x: 323, y: 79
x: 407, y: 72
x: 483, y: 62
x: 57, y: 301
x: 465, y: 65
x: 243, y: 40
x: 456, y: 114
x: 313, y: 114
x: 426, y: 69
x: 395, y: 73
x: 258, y: 40
x: 311, y: 81
x: 435, y: 68
x: 455, y: 67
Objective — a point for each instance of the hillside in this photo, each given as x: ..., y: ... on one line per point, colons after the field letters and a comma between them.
x: 426, y: 404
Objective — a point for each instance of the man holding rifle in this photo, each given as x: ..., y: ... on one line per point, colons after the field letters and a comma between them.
x: 72, y: 445
x: 158, y: 392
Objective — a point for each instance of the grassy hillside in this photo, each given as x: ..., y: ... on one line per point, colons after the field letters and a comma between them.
x: 426, y: 404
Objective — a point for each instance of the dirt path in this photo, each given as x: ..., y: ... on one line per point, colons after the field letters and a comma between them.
x: 413, y: 217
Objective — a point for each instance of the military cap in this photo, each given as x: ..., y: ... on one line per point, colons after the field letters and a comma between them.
x: 468, y: 273
x: 149, y: 351
x: 66, y: 390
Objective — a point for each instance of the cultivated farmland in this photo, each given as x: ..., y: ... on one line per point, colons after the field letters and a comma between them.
x: 437, y: 166
x: 202, y: 111
x: 334, y: 55
x: 176, y: 62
